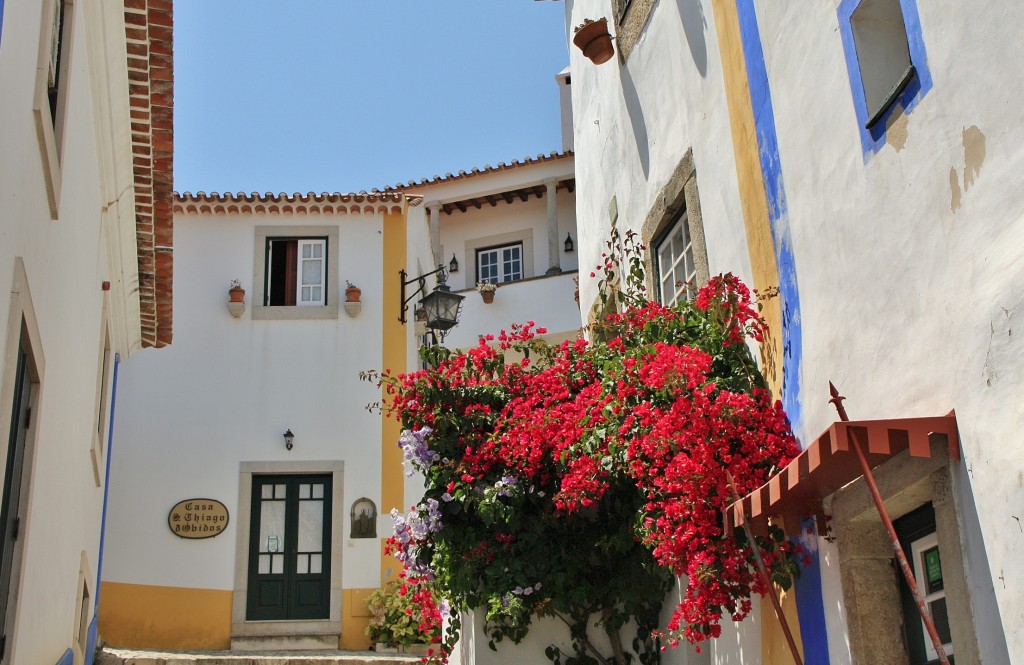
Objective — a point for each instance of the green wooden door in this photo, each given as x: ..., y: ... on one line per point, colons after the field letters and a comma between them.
x: 290, y: 548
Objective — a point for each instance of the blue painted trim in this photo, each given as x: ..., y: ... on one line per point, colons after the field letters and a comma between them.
x: 810, y: 604
x: 873, y: 139
x: 1, y: 21
x: 67, y: 659
x: 90, y: 645
x: 778, y: 213
x: 106, y: 483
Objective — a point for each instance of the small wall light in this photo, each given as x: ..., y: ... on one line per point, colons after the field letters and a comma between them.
x: 454, y: 265
x: 289, y: 439
x: 568, y: 244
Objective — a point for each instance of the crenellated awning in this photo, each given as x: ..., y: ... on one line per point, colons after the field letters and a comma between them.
x: 830, y: 462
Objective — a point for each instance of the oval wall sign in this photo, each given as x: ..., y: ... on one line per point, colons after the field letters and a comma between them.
x: 198, y: 518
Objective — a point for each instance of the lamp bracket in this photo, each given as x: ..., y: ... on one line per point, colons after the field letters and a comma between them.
x: 420, y: 289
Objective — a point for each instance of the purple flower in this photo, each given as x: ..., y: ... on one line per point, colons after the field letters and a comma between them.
x: 416, y: 451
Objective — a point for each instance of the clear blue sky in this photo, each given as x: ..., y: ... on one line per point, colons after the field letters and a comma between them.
x: 338, y: 95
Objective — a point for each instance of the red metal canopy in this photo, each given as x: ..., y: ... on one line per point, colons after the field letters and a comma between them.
x: 830, y: 462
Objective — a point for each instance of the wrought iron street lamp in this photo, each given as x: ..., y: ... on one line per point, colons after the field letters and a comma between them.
x: 441, y: 305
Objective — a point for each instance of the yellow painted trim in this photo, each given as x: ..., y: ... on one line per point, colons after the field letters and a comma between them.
x: 753, y: 198
x: 354, y: 619
x: 761, y: 250
x: 160, y: 617
x: 394, y: 358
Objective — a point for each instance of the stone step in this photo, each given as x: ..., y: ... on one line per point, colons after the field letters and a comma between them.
x: 111, y: 656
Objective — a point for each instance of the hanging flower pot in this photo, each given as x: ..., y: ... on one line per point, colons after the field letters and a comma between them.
x: 353, y: 293
x: 487, y: 290
x: 593, y: 39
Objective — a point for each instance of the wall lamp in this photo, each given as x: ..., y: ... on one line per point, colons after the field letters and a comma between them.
x: 454, y: 265
x: 569, y: 246
x: 441, y: 305
x: 289, y: 439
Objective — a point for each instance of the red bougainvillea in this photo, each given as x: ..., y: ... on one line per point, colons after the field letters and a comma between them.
x: 577, y: 480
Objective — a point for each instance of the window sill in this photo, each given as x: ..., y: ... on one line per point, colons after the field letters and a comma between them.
x: 293, y: 313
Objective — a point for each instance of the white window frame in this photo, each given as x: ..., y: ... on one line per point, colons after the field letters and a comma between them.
x: 330, y: 293
x: 302, y: 298
x: 917, y: 550
x: 679, y: 246
x: 501, y: 263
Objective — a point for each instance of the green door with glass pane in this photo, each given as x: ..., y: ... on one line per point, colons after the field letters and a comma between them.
x: 289, y: 548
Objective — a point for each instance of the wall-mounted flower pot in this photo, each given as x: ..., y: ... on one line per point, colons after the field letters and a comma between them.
x: 353, y: 294
x: 236, y: 301
x: 488, y: 297
x: 593, y: 39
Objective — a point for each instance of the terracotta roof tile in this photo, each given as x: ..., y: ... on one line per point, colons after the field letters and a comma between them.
x: 502, y: 166
x: 309, y: 203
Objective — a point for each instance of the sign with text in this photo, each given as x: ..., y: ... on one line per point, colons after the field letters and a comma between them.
x: 198, y: 518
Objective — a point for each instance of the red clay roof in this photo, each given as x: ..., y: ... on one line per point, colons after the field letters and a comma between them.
x: 502, y: 166
x: 310, y: 203
x: 150, y: 41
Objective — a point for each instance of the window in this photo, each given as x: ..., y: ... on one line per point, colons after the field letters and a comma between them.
x: 295, y: 273
x: 886, y: 62
x: 499, y: 264
x: 676, y: 270
x: 103, y: 376
x: 631, y: 18
x: 50, y: 106
x: 882, y: 53
x: 678, y: 260
x: 920, y: 542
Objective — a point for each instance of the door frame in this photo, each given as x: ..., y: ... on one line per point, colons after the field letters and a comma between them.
x: 22, y: 326
x: 240, y: 627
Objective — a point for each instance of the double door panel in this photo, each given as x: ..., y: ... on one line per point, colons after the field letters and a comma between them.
x: 289, y: 548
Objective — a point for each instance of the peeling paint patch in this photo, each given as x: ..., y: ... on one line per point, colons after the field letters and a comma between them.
x: 897, y: 129
x: 954, y: 190
x: 974, y: 154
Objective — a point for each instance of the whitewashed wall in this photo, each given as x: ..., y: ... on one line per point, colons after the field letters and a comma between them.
x: 226, y: 391
x: 65, y: 261
x: 909, y: 260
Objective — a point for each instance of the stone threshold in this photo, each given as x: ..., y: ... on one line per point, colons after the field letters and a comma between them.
x: 112, y: 656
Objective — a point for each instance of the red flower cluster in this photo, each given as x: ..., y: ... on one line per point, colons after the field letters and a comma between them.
x: 668, y: 403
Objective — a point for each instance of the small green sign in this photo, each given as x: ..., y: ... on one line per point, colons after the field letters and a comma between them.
x: 933, y: 566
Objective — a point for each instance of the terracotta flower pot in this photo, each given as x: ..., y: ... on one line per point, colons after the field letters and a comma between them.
x: 237, y: 294
x: 353, y: 294
x: 593, y: 39
x: 488, y: 297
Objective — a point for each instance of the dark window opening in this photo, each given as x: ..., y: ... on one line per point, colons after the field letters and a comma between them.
x: 296, y: 272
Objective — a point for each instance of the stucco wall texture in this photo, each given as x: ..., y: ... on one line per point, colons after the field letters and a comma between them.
x: 908, y: 255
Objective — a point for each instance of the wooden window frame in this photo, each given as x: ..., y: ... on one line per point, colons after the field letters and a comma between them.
x: 260, y: 277
x: 51, y: 116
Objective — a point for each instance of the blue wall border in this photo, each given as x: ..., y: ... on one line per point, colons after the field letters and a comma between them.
x: 873, y: 139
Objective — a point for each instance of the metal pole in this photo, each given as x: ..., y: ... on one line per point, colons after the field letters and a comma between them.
x: 901, y: 557
x: 767, y: 580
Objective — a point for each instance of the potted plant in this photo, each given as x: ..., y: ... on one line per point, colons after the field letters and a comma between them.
x: 352, y: 293
x: 236, y: 292
x: 403, y: 617
x: 593, y: 39
x: 487, y: 290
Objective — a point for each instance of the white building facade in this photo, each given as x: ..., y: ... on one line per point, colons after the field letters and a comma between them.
x: 864, y: 157
x: 85, y: 266
x: 512, y: 225
x: 253, y: 486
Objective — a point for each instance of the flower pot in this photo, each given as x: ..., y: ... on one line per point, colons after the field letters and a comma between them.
x: 237, y: 294
x: 353, y: 294
x: 593, y: 39
x: 488, y: 297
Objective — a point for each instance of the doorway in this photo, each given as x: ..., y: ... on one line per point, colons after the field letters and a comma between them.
x: 290, y: 548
